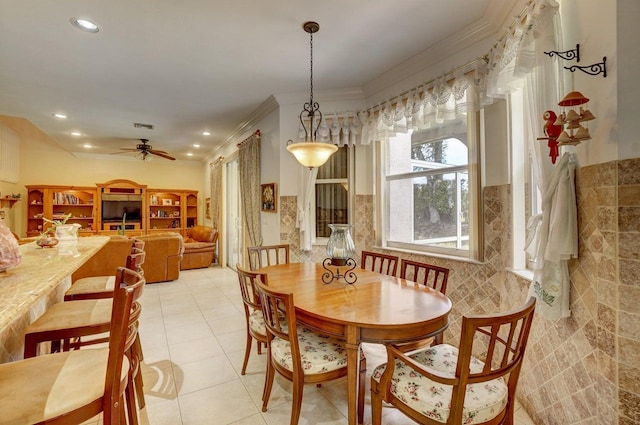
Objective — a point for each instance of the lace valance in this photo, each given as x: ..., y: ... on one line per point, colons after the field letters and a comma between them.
x: 453, y: 95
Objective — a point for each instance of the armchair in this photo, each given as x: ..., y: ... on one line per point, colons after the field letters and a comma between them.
x: 200, y: 248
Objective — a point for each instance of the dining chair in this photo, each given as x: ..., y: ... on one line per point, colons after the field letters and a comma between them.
x: 448, y: 385
x: 267, y: 255
x: 299, y: 354
x: 434, y: 277
x: 65, y: 325
x: 94, y: 287
x: 74, y: 386
x: 252, y: 311
x: 377, y: 262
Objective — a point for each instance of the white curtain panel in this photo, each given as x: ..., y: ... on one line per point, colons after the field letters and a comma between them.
x: 305, y: 192
x: 519, y: 62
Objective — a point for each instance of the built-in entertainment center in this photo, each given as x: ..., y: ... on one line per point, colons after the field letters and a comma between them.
x: 107, y: 207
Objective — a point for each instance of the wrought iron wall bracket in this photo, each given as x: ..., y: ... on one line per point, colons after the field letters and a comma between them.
x: 595, y: 69
x: 568, y: 55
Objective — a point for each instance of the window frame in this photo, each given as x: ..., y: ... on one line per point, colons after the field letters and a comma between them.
x: 350, y: 180
x: 475, y: 251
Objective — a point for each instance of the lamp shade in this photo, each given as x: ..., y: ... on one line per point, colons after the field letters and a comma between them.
x: 312, y: 154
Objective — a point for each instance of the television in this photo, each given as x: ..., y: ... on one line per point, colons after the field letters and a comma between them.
x: 114, y: 206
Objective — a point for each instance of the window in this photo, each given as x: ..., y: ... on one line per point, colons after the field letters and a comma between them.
x: 332, y: 193
x: 430, y: 191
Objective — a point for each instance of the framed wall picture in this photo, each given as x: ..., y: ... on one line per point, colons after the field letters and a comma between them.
x: 268, y: 197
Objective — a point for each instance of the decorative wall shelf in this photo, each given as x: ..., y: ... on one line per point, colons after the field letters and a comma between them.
x: 8, y: 202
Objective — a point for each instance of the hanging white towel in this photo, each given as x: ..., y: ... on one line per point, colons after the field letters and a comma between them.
x: 555, y: 242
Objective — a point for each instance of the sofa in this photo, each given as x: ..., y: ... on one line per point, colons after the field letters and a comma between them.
x: 164, y: 254
x: 107, y: 259
x: 200, y: 247
x: 162, y: 259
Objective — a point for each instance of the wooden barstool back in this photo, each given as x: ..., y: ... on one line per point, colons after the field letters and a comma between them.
x: 46, y: 390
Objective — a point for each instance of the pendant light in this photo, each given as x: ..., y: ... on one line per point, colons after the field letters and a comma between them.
x: 311, y: 153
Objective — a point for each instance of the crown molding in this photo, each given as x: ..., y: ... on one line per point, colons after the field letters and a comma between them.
x: 333, y: 95
x: 497, y: 17
x: 431, y: 56
x: 260, y: 113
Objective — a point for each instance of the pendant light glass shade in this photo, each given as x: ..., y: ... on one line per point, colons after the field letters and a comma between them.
x: 312, y: 154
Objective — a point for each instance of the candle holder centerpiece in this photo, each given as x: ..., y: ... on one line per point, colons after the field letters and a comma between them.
x: 340, y: 250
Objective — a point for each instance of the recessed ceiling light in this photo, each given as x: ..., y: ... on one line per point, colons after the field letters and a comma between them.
x: 84, y: 25
x: 196, y: 145
x: 87, y: 145
x: 60, y: 115
x: 76, y: 133
x: 206, y: 133
x: 189, y: 154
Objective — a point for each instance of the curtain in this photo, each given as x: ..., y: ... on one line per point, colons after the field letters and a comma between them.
x: 440, y: 102
x: 339, y: 129
x: 216, y: 191
x: 518, y: 62
x: 249, y: 170
x: 304, y: 206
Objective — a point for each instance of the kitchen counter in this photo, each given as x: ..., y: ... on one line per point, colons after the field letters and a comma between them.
x: 40, y: 280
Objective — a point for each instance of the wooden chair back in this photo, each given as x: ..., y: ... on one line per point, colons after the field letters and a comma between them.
x: 267, y: 255
x: 377, y: 262
x: 434, y: 277
x: 280, y: 321
x: 501, y: 337
x: 249, y: 288
x: 122, y: 334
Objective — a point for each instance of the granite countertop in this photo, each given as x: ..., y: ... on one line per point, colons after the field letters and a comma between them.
x: 26, y: 288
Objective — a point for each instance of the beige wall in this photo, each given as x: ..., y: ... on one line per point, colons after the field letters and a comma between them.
x: 42, y: 161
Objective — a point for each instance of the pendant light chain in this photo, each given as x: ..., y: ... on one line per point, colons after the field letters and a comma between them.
x: 311, y: 66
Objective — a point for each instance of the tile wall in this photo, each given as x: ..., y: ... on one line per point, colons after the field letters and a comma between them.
x: 584, y: 369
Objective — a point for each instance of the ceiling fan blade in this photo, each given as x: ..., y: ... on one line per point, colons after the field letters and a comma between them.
x: 162, y: 154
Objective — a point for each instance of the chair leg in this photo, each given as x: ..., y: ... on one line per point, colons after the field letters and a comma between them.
x: 376, y: 404
x: 361, y: 386
x: 130, y: 399
x: 138, y: 384
x: 247, y: 352
x: 296, y: 407
x: 268, y: 383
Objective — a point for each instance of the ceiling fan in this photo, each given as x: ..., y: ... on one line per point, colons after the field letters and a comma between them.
x: 146, y: 149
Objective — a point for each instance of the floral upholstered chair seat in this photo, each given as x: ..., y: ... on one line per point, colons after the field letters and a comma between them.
x: 318, y: 353
x: 482, y: 402
x: 256, y: 322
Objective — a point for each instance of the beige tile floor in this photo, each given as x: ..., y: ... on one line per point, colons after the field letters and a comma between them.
x: 193, y: 336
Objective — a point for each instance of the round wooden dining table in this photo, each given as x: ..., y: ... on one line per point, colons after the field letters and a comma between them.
x: 376, y: 308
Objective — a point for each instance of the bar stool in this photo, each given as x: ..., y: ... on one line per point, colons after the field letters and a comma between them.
x: 65, y: 324
x: 102, y: 286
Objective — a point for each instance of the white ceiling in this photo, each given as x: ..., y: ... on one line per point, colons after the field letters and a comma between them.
x: 194, y: 65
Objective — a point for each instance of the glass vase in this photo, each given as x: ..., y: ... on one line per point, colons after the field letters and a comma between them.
x: 340, y: 246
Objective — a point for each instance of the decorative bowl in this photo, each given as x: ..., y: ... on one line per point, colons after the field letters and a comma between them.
x: 47, y: 242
